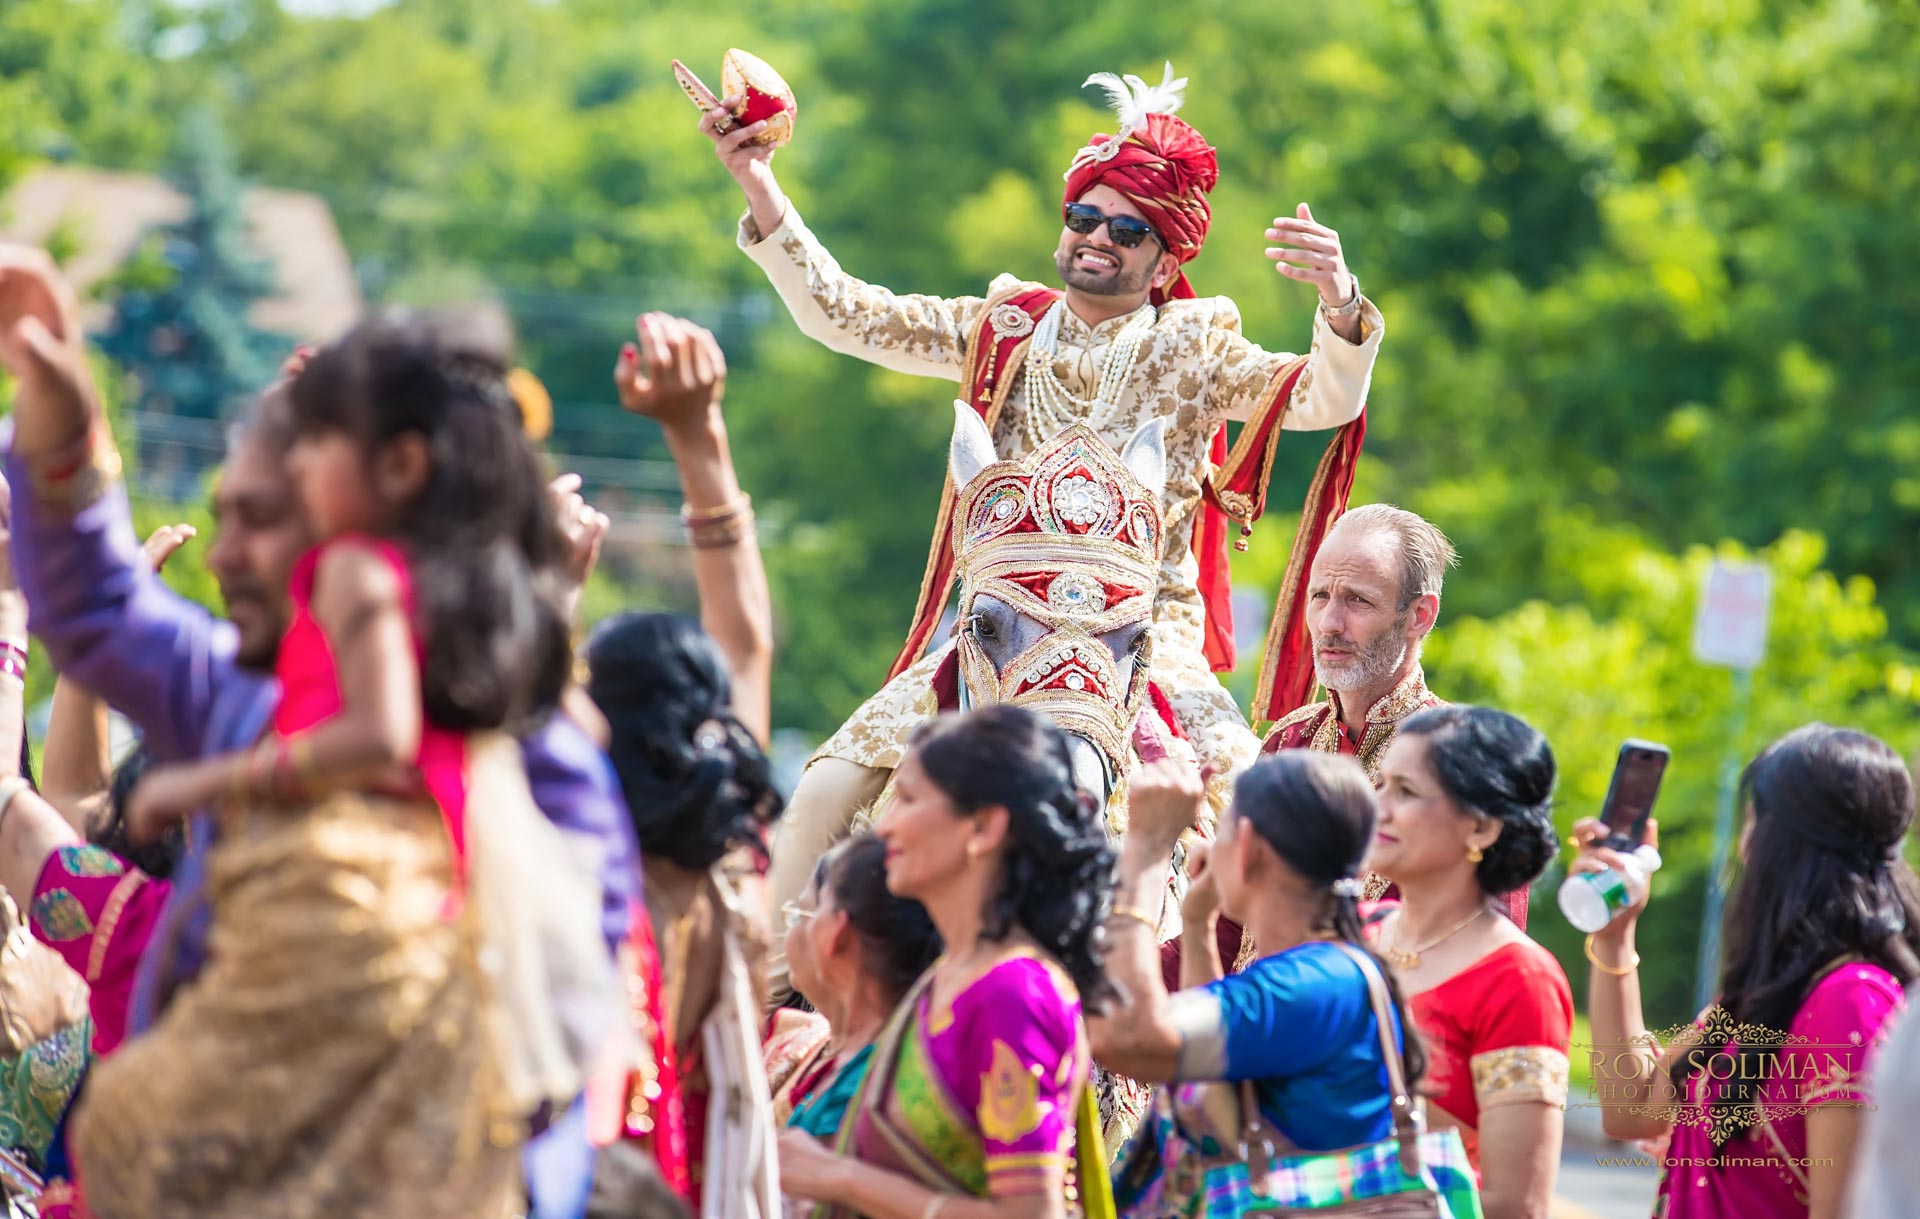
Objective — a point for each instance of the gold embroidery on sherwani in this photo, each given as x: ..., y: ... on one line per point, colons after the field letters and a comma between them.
x: 1197, y: 339
x: 1383, y: 722
x: 1517, y: 1073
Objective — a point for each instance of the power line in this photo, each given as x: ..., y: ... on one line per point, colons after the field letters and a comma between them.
x: 204, y: 442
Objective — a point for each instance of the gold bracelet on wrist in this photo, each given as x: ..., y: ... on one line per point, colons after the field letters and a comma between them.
x: 721, y: 533
x: 1620, y: 971
x: 243, y: 787
x: 1137, y: 915
x: 1348, y: 307
x: 689, y: 515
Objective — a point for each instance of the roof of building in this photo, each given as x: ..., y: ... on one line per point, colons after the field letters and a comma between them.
x: 106, y: 213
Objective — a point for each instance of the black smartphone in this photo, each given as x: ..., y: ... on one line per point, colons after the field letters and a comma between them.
x: 1636, y: 782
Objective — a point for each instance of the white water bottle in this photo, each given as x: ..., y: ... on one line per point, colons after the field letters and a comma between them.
x: 1591, y: 900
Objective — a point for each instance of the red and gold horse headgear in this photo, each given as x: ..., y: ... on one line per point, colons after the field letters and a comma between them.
x: 1159, y: 162
x: 1070, y: 537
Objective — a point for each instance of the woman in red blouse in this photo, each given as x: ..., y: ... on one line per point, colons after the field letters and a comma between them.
x: 1465, y: 819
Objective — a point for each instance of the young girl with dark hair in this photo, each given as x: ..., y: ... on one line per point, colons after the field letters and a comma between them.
x: 853, y: 950
x: 1822, y: 936
x: 431, y: 606
x: 381, y: 842
x: 987, y: 831
x: 1299, y: 1029
x: 1466, y: 818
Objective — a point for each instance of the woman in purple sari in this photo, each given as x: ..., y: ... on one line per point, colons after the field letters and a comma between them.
x: 976, y: 1103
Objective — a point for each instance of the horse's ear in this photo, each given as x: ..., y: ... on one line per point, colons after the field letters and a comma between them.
x: 972, y: 448
x: 1145, y: 453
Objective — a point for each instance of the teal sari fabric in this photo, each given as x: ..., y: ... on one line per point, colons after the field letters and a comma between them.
x: 36, y: 1086
x: 819, y: 1115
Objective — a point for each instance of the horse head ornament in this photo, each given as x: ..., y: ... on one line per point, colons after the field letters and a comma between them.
x: 1058, y: 556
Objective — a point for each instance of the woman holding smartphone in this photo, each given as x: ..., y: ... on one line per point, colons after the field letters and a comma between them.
x: 1822, y: 935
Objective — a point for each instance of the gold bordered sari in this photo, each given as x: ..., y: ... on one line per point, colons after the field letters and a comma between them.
x: 987, y: 1097
x: 332, y: 1059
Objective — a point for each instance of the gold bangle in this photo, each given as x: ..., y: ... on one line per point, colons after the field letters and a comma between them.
x: 1137, y: 915
x: 245, y: 782
x: 1618, y: 972
x: 718, y: 535
x: 689, y: 515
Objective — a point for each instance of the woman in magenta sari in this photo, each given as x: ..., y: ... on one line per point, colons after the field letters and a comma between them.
x: 90, y: 905
x: 1822, y: 936
x: 976, y: 1103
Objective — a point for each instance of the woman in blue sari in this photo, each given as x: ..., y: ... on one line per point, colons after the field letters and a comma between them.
x: 1297, y: 1032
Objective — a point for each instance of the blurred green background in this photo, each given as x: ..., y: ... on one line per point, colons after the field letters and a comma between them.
x: 1646, y: 270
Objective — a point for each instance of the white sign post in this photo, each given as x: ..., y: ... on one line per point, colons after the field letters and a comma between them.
x: 1731, y: 631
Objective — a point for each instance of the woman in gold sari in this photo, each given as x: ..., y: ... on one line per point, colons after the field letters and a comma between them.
x: 344, y: 1051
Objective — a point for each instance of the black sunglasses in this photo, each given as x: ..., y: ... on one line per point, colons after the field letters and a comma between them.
x: 1127, y: 232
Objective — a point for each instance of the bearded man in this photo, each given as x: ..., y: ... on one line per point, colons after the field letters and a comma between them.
x: 1123, y: 341
x: 1373, y: 595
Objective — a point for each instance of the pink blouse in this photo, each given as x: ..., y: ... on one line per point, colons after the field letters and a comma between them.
x: 310, y: 685
x: 1831, y: 1043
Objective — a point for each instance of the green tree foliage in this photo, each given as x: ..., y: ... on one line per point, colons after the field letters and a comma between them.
x: 183, y: 334
x: 77, y: 81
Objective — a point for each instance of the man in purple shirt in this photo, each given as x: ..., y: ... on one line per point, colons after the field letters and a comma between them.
x: 196, y: 684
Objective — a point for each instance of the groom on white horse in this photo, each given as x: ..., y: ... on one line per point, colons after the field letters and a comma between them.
x: 1125, y: 342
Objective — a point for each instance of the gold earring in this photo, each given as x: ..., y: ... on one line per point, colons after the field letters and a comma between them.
x: 1473, y: 854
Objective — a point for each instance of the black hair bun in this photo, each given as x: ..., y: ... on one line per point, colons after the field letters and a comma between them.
x: 1500, y: 766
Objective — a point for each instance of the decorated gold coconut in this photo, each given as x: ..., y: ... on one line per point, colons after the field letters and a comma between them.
x: 762, y: 93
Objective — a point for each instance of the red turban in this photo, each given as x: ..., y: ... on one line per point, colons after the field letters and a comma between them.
x: 1165, y: 169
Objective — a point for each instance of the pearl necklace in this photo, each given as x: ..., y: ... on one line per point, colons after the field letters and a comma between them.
x: 1050, y: 408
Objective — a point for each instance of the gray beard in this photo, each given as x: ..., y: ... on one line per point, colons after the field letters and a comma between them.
x: 1121, y: 283
x: 1375, y: 663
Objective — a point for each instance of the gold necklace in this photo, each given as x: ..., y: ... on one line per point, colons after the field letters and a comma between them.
x: 1400, y: 958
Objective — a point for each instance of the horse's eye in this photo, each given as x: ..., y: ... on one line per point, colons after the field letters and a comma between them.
x: 983, y: 627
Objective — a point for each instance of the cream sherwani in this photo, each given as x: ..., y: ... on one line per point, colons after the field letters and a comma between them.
x: 1194, y: 369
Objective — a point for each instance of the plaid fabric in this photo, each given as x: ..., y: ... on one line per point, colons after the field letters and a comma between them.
x: 1202, y: 1185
